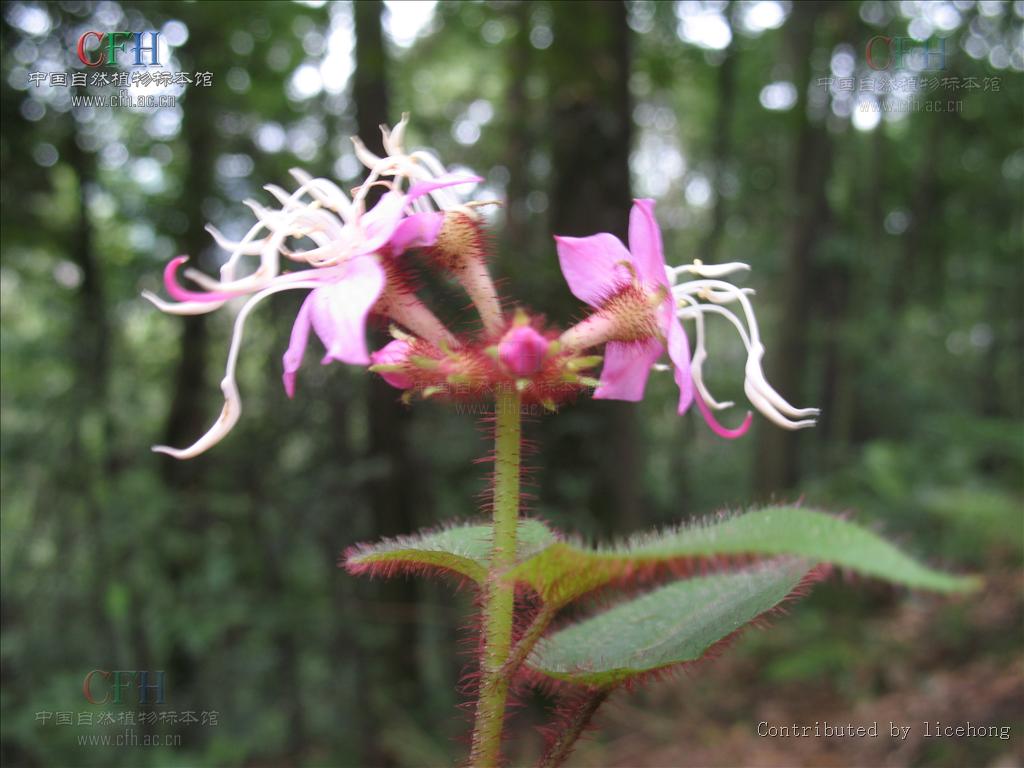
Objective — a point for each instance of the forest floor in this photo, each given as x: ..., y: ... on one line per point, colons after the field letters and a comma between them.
x: 920, y: 658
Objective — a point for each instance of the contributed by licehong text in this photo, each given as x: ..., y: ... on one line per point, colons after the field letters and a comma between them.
x: 928, y: 729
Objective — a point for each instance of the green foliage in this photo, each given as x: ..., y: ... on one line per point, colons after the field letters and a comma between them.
x: 983, y: 532
x: 564, y: 571
x: 463, y: 549
x: 672, y: 625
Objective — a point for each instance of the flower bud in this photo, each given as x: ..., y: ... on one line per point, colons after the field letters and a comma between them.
x: 389, y: 361
x: 522, y: 350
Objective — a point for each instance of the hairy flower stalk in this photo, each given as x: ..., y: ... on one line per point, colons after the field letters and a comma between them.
x: 459, y: 248
x: 406, y: 309
x: 499, y: 596
x: 460, y: 251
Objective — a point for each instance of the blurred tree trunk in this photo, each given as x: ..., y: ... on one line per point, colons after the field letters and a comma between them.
x: 777, y: 463
x: 89, y: 347
x: 393, y: 493
x: 591, y: 130
x: 187, y: 419
x: 189, y: 415
x: 721, y: 150
x: 910, y: 272
x: 591, y: 115
x: 278, y: 541
x: 125, y: 640
x: 834, y: 300
x: 842, y: 284
x: 517, y: 134
x: 840, y: 405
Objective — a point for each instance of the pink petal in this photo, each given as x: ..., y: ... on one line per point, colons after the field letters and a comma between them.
x: 297, y: 346
x: 626, y: 368
x: 645, y: 243
x: 183, y: 294
x: 718, y: 429
x: 679, y: 352
x: 338, y: 311
x: 591, y: 265
x: 416, y: 231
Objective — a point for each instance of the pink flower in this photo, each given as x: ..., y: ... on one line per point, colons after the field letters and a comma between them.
x: 522, y: 350
x: 346, y: 278
x: 635, y: 311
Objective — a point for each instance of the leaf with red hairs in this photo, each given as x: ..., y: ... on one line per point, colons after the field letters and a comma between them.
x: 672, y: 625
x: 463, y: 549
x: 565, y: 570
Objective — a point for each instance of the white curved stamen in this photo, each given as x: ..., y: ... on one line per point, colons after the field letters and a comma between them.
x: 700, y: 354
x: 760, y: 393
x: 232, y: 409
x: 407, y: 168
x: 755, y: 375
x: 205, y: 281
x: 318, y: 209
x: 689, y: 312
x: 182, y: 307
x: 701, y: 269
x: 721, y: 292
x: 361, y: 192
x: 307, y: 221
x: 393, y: 144
x: 268, y: 217
x: 327, y: 192
x: 363, y: 155
x: 318, y: 197
x: 246, y: 246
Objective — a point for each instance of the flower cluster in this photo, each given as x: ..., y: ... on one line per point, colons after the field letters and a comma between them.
x: 523, y: 357
x: 357, y: 267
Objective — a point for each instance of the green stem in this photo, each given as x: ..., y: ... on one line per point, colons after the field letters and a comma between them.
x: 499, y: 596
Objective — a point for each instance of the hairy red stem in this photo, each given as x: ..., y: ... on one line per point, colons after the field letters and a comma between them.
x: 563, y: 744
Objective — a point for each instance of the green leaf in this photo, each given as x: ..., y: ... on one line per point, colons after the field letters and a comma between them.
x: 672, y: 625
x: 564, y: 571
x: 463, y: 549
